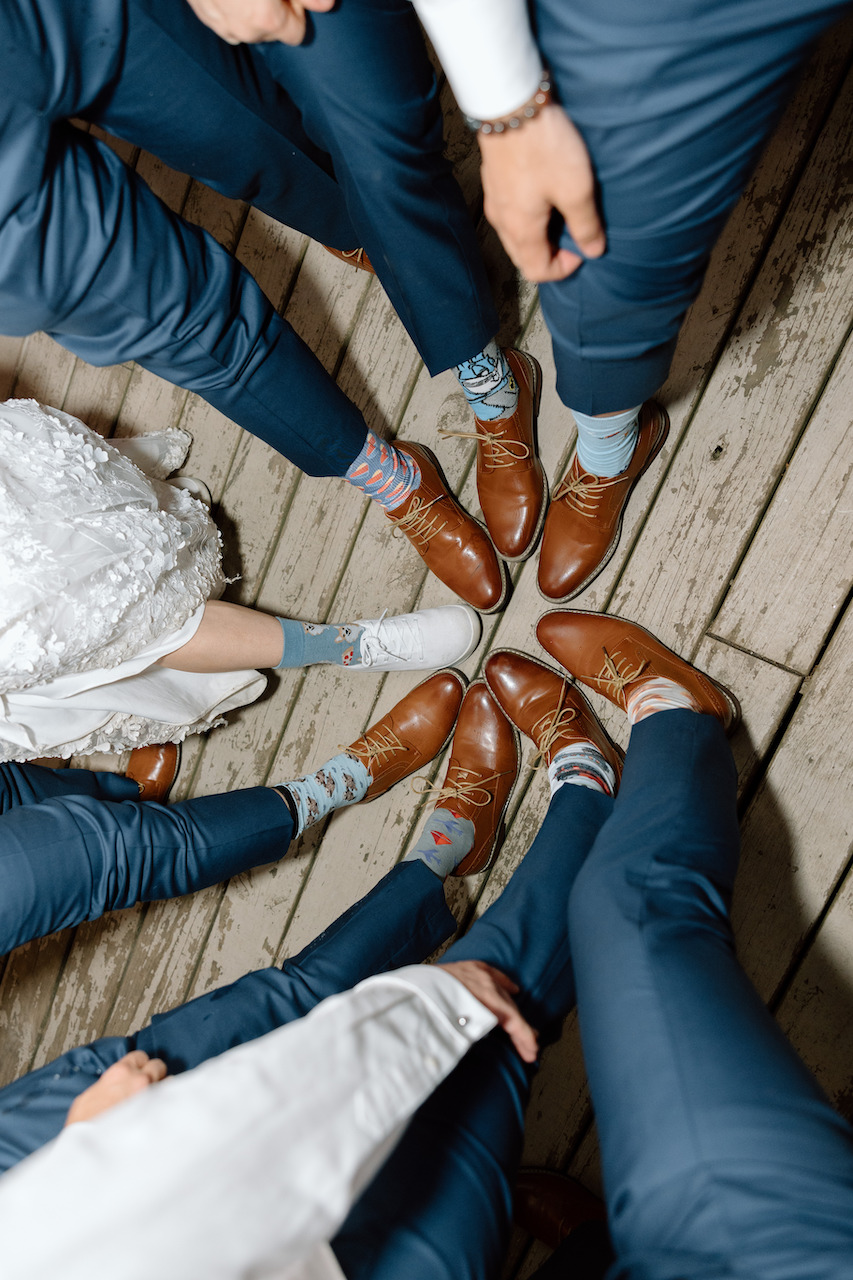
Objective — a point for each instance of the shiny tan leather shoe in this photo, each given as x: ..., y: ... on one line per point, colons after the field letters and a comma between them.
x: 584, y: 520
x: 511, y: 480
x: 613, y: 656
x: 355, y: 257
x: 543, y: 705
x: 481, y: 775
x: 450, y: 542
x: 154, y: 769
x: 412, y: 733
x: 549, y: 1205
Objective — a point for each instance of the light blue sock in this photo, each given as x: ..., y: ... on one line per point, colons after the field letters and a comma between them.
x: 308, y: 642
x: 444, y: 842
x: 606, y: 445
x: 341, y: 781
x: 489, y: 386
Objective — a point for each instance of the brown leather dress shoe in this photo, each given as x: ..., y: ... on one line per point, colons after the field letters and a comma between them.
x: 355, y: 257
x: 549, y: 1205
x: 511, y: 480
x: 412, y: 733
x: 481, y: 775
x: 154, y: 769
x: 584, y: 520
x: 543, y: 705
x: 612, y: 656
x: 450, y: 542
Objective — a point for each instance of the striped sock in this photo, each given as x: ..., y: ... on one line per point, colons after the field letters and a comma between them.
x: 384, y: 473
x: 659, y: 694
x: 489, y: 386
x: 444, y: 842
x: 583, y: 764
x: 606, y: 445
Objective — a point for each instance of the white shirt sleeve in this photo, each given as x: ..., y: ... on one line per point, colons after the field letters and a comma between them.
x: 245, y: 1165
x: 488, y: 51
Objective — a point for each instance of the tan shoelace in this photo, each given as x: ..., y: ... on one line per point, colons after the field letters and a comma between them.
x: 466, y: 785
x: 375, y: 745
x: 611, y: 677
x: 583, y: 491
x: 354, y: 255
x: 550, y: 727
x: 498, y: 452
x: 419, y: 521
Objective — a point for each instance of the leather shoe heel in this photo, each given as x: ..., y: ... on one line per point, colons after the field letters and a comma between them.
x: 412, y: 733
x: 154, y: 769
x: 450, y: 542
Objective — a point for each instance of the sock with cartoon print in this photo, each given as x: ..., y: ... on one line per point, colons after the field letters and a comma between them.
x: 383, y: 473
x: 341, y: 781
x: 489, y: 386
x: 444, y: 842
x: 308, y: 642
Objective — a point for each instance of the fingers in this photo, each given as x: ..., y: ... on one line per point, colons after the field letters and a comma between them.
x: 257, y: 21
x: 494, y: 990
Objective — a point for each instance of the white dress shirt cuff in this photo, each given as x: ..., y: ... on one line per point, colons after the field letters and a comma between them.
x: 488, y: 51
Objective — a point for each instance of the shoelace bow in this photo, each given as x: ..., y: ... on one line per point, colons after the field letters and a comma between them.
x: 498, y: 451
x: 464, y: 785
x: 611, y: 677
x: 583, y: 491
x: 406, y: 635
x: 354, y: 255
x: 419, y: 521
x: 550, y: 727
x: 374, y: 745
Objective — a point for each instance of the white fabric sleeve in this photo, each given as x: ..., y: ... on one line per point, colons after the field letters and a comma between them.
x: 488, y: 51
x: 241, y: 1167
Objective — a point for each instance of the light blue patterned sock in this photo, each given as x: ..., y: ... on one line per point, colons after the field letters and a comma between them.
x: 383, y: 473
x: 341, y: 781
x: 308, y: 642
x: 606, y: 445
x: 444, y: 842
x: 489, y: 386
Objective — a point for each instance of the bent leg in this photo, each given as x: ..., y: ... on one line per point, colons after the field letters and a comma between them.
x: 397, y: 923
x: 440, y: 1208
x: 717, y: 1145
x: 23, y: 784
x: 369, y: 97
x: 113, y: 275
x: 212, y: 110
x: 71, y: 858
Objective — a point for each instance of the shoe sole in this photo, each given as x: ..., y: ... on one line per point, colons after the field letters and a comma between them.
x: 536, y: 380
x: 728, y: 696
x: 500, y: 826
x: 546, y: 666
x: 442, y: 671
x: 496, y: 608
x: 614, y: 543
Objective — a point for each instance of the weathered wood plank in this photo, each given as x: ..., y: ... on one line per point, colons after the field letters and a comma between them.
x: 817, y: 1012
x: 799, y: 567
x: 798, y: 829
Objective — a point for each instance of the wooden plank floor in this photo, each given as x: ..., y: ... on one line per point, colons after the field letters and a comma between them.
x: 737, y: 550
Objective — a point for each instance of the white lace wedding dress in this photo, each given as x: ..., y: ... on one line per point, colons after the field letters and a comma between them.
x: 104, y: 568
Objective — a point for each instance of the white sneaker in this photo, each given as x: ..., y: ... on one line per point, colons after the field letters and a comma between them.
x: 421, y: 641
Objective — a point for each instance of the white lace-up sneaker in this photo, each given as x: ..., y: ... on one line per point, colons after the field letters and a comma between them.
x: 418, y: 641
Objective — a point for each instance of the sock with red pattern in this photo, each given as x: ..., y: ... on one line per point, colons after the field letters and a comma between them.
x: 444, y: 842
x: 384, y: 473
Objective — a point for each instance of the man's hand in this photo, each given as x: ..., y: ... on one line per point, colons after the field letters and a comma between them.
x: 495, y: 990
x: 528, y: 172
x: 253, y: 21
x: 131, y: 1074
